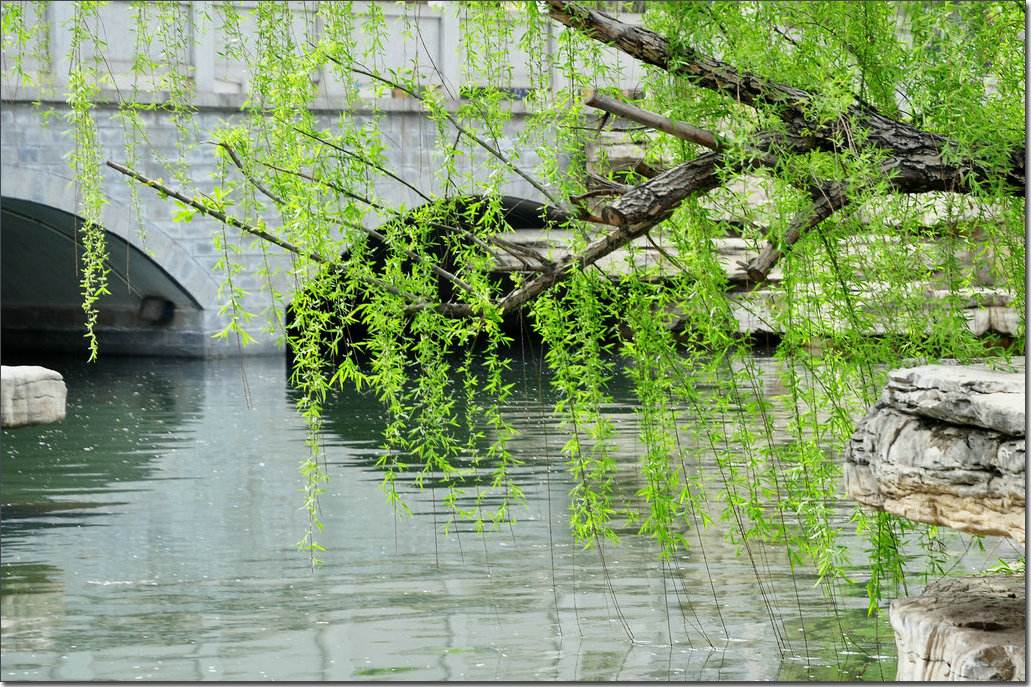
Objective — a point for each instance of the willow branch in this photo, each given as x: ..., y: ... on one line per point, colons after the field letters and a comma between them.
x: 247, y: 175
x: 673, y: 127
x: 328, y: 184
x: 254, y: 231
x: 501, y: 244
x: 665, y: 253
x: 828, y: 199
x: 214, y: 213
x: 363, y: 160
x: 465, y: 132
x: 372, y: 233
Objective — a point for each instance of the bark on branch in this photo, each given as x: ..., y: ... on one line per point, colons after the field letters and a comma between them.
x: 681, y: 130
x: 634, y: 214
x: 922, y: 156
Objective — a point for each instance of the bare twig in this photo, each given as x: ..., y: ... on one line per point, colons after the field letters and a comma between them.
x: 681, y: 130
x: 613, y: 186
x: 665, y: 253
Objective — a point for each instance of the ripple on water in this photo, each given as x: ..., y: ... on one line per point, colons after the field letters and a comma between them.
x: 166, y: 552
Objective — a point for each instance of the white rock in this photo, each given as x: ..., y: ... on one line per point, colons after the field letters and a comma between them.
x: 31, y: 395
x: 960, y: 395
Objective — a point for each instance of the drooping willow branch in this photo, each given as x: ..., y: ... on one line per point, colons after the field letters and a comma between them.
x: 831, y: 198
x: 465, y: 132
x: 515, y: 250
x: 213, y: 212
x: 364, y: 160
x: 246, y: 174
x: 217, y: 214
x: 512, y: 249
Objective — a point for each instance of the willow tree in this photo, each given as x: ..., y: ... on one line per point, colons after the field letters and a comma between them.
x: 856, y: 117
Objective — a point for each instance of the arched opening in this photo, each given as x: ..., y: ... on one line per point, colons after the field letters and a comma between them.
x: 147, y: 312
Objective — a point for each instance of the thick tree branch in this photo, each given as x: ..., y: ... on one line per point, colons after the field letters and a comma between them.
x: 640, y: 210
x: 921, y: 155
x: 827, y: 199
x: 657, y: 198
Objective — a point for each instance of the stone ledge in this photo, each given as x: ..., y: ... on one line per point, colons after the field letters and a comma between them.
x: 966, y: 628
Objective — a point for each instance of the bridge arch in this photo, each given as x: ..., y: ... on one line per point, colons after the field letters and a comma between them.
x: 158, y: 293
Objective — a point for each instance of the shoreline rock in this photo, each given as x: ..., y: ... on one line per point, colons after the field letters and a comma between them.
x: 31, y: 395
x: 962, y: 628
x: 944, y: 445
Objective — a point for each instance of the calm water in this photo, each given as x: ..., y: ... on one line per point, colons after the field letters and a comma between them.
x: 151, y: 536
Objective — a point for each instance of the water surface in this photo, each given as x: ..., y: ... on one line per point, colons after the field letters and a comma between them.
x: 151, y: 536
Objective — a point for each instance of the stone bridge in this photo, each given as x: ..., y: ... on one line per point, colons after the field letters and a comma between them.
x: 164, y: 283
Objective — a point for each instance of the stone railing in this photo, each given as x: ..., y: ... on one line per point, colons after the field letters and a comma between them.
x: 425, y: 38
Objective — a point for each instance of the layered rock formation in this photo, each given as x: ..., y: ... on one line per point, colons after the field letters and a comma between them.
x: 31, y: 395
x: 944, y: 445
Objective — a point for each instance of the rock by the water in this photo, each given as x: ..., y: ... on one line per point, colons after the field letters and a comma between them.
x: 944, y: 445
x: 31, y: 395
x: 961, y: 395
x: 966, y: 628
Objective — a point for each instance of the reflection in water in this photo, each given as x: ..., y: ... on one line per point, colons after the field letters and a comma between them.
x: 151, y: 536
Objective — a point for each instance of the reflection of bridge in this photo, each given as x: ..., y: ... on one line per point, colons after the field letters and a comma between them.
x: 163, y: 276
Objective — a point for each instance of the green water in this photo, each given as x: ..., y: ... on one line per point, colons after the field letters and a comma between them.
x: 150, y: 536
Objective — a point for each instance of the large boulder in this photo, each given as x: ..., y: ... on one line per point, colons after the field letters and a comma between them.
x: 965, y: 628
x: 944, y: 445
x: 31, y: 395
